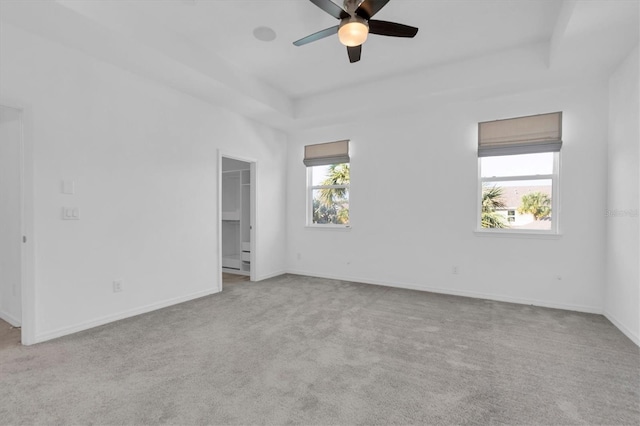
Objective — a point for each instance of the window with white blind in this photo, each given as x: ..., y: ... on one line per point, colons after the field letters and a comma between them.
x: 328, y: 184
x: 518, y: 182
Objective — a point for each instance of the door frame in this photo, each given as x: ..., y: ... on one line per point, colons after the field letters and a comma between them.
x: 27, y: 255
x: 253, y: 208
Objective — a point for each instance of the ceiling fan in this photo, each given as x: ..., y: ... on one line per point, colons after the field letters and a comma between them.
x: 356, y: 24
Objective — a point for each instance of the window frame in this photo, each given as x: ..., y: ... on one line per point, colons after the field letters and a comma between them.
x: 555, y: 200
x: 311, y: 188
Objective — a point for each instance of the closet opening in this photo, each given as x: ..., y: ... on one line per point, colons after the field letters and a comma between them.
x: 237, y: 220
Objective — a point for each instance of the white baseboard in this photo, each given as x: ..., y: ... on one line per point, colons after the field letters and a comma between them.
x: 10, y: 318
x: 623, y: 328
x: 453, y: 292
x: 42, y: 337
x: 270, y: 275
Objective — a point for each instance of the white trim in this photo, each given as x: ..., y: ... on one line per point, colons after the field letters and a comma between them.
x: 330, y: 227
x: 271, y: 275
x: 516, y: 178
x: 555, y: 193
x: 464, y: 293
x: 219, y: 220
x: 623, y: 328
x: 27, y: 252
x: 42, y: 337
x: 234, y: 171
x: 309, y: 198
x: 253, y: 211
x: 534, y: 235
x: 479, y: 195
x: 330, y: 186
x: 10, y: 318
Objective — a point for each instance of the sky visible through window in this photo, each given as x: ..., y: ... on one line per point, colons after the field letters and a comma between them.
x: 318, y: 175
x: 517, y: 165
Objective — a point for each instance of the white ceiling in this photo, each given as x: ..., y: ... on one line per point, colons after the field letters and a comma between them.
x: 206, y: 47
x: 449, y: 31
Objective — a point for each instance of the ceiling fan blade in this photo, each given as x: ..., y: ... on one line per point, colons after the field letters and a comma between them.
x: 368, y: 8
x: 317, y: 36
x: 354, y: 53
x: 331, y: 8
x: 391, y: 29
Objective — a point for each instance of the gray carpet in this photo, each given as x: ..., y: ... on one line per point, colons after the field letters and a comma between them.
x: 297, y: 350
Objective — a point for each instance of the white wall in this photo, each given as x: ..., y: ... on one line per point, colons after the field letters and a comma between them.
x: 144, y: 161
x: 622, y: 295
x: 10, y: 230
x: 413, y: 204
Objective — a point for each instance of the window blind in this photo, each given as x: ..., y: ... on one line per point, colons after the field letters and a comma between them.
x: 521, y: 135
x: 323, y: 154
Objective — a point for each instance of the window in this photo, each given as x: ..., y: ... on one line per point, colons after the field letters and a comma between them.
x: 518, y: 174
x: 329, y: 194
x: 328, y: 180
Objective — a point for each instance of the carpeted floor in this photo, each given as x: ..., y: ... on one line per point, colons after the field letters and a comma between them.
x: 298, y: 350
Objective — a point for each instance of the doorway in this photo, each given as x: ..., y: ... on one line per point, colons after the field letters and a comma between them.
x: 11, y: 226
x: 236, y: 212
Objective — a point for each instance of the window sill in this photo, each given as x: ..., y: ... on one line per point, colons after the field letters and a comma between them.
x: 330, y: 227
x: 518, y: 234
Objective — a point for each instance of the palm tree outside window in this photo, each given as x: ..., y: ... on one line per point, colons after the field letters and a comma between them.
x: 329, y: 194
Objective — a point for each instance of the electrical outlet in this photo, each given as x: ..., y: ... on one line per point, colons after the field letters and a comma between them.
x: 117, y: 286
x: 454, y: 270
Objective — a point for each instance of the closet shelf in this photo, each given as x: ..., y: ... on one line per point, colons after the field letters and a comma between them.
x: 231, y: 215
x: 231, y: 261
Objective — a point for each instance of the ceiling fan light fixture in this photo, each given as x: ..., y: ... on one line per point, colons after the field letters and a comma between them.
x: 355, y: 25
x: 353, y: 31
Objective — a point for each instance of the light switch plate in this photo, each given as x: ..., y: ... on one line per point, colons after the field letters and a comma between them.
x: 68, y: 187
x: 70, y: 213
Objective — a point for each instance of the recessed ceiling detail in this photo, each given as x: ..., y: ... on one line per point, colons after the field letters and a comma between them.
x: 264, y: 34
x: 465, y: 49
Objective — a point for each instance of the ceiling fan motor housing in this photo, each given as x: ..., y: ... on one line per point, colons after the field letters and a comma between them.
x: 351, y: 5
